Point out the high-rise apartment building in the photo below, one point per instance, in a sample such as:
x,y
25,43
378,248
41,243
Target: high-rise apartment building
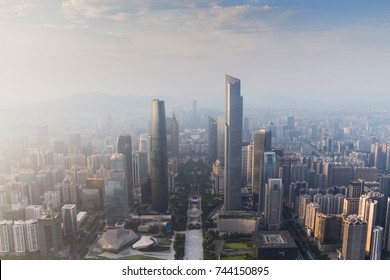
x,y
351,206
159,158
33,212
311,214
354,238
233,143
376,243
273,205
261,144
32,235
6,236
328,228
124,147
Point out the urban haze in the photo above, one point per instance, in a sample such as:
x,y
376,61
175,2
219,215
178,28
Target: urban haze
x,y
223,130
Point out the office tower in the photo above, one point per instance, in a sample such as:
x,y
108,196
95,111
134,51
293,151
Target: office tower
x,y
385,185
261,144
246,133
19,237
249,164
351,206
217,177
69,219
116,197
175,137
328,228
50,240
96,184
376,243
354,238
221,139
355,189
31,227
212,137
33,212
91,199
233,143
159,158
244,165
140,170
311,213
273,204
124,147
144,146
269,165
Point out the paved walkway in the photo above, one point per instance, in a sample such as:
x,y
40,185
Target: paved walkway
x,y
193,249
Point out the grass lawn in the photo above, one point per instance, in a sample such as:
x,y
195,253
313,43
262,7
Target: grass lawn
x,y
237,257
139,257
165,241
238,245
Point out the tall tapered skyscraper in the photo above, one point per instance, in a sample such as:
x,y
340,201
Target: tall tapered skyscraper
x,y
233,143
124,147
261,144
159,158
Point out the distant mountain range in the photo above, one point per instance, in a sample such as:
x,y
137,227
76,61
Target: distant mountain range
x,y
86,103
101,103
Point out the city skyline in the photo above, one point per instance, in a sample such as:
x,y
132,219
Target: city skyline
x,y
322,50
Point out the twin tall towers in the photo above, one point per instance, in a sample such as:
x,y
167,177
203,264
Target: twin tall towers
x,y
233,149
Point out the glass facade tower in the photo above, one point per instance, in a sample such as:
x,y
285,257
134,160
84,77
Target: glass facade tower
x,y
159,158
233,143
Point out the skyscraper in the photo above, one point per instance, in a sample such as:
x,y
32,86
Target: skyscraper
x,y
175,137
273,204
221,139
69,219
354,238
376,243
115,190
50,239
212,137
159,158
261,144
144,146
233,143
124,147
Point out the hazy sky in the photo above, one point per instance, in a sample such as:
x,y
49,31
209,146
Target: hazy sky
x,y
51,49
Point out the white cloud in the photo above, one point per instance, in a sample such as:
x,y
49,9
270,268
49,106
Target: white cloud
x,y
17,8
